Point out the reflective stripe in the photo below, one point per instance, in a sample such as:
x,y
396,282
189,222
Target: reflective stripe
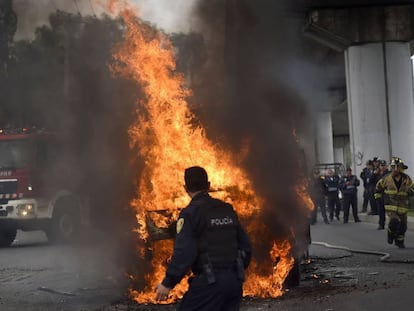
x,y
397,209
395,192
350,187
332,189
9,195
377,195
390,191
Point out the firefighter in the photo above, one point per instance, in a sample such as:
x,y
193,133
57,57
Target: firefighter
x,y
395,188
348,186
332,190
383,170
210,241
316,187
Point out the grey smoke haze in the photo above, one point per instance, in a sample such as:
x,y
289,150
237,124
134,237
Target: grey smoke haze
x,y
262,80
258,82
171,16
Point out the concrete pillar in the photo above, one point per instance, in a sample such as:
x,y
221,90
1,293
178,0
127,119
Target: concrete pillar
x,y
400,101
380,102
367,111
339,155
324,138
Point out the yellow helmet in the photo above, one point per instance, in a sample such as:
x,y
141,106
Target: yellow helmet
x,y
395,161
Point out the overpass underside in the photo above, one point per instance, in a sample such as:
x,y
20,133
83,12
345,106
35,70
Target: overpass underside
x,y
376,43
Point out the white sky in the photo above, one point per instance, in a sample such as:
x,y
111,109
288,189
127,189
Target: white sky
x,y
170,15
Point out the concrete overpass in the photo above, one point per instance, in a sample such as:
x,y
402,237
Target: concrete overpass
x,y
376,115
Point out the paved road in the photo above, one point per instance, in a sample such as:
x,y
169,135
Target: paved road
x,y
362,236
38,276
341,280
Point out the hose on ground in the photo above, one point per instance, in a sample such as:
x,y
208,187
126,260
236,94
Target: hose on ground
x,y
385,257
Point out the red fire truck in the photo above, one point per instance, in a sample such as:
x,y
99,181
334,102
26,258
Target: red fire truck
x,y
37,187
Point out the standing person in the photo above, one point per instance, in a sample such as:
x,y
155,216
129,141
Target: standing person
x,y
376,164
369,186
396,187
379,198
210,241
348,186
331,190
317,193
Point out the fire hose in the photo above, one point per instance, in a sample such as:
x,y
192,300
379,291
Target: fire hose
x,y
385,257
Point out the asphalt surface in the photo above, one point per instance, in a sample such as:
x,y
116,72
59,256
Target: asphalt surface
x,y
348,275
37,276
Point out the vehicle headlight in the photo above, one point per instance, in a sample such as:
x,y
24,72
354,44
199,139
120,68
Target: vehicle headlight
x,y
25,209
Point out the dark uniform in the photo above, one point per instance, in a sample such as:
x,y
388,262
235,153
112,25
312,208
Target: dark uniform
x,y
348,186
317,194
212,242
380,199
368,179
331,190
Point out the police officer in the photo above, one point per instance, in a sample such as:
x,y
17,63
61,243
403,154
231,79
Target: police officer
x,y
348,186
396,187
331,183
210,241
368,179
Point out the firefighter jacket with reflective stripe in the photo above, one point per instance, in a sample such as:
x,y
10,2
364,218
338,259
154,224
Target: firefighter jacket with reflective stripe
x,y
206,228
395,199
349,184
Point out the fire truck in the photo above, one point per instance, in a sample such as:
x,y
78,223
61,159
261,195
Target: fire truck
x,y
36,187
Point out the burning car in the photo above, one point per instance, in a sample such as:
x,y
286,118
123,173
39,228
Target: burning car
x,y
168,138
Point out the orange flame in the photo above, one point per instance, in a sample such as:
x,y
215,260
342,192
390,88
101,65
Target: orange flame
x,y
169,140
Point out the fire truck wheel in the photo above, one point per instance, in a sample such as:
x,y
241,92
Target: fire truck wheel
x,y
7,237
65,223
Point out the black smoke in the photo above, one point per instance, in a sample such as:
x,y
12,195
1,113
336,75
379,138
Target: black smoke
x,y
260,81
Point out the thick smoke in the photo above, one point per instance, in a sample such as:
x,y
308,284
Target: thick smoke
x,y
33,14
60,81
170,16
259,82
253,77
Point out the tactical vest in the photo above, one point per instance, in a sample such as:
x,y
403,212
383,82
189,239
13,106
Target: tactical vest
x,y
217,234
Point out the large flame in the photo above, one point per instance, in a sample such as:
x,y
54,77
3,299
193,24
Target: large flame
x,y
169,139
